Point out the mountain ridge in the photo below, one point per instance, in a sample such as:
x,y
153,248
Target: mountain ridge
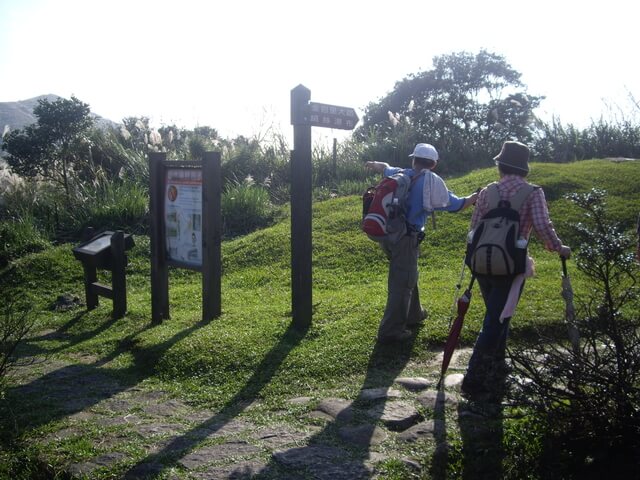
x,y
15,115
19,114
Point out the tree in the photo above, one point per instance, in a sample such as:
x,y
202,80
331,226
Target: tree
x,y
466,106
54,144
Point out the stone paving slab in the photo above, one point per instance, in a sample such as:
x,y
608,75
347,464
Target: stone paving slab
x,y
434,400
243,470
312,455
202,444
228,451
396,415
280,435
363,435
84,469
337,409
423,430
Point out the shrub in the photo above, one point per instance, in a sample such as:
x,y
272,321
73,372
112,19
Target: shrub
x,y
19,237
248,157
589,398
103,203
245,207
16,321
107,204
555,142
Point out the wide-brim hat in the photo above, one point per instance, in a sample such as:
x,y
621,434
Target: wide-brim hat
x,y
425,150
515,155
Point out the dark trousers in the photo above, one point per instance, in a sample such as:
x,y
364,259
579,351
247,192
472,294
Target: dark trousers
x,y
489,349
403,299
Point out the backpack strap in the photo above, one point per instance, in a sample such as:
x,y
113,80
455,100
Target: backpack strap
x,y
413,180
493,195
521,196
416,177
516,201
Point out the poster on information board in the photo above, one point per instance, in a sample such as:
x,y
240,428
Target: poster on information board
x,y
183,215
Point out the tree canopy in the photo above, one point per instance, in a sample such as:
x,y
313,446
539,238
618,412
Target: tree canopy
x,y
466,106
51,147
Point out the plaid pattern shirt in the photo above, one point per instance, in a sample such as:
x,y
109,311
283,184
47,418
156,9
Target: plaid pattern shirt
x,y
533,213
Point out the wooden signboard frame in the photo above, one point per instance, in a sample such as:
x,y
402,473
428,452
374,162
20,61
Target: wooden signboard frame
x,y
210,217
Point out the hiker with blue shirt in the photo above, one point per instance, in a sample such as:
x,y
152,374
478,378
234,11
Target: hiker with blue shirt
x,y
427,193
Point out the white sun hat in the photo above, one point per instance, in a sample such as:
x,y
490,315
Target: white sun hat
x,y
424,150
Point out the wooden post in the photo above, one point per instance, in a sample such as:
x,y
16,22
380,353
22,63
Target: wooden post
x,y
211,236
90,277
301,281
159,268
335,159
118,274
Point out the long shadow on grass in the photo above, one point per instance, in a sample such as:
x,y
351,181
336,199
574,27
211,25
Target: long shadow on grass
x,y
166,457
482,431
73,388
29,349
440,459
342,449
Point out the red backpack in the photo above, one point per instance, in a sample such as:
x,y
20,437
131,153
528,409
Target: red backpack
x,y
383,207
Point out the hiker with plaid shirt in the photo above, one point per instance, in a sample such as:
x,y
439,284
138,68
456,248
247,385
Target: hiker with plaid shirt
x,y
488,358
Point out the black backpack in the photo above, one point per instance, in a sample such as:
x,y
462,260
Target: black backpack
x,y
495,247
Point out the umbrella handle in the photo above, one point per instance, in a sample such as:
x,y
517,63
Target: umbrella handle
x,y
564,266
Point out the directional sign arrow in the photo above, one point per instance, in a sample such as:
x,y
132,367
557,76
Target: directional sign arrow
x,y
331,116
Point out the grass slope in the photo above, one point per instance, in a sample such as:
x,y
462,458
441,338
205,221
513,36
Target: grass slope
x,y
349,293
251,351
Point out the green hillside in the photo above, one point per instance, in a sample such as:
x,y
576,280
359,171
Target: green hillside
x,y
349,291
251,351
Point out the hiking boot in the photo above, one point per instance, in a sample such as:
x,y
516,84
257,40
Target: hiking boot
x,y
404,336
400,337
504,367
472,387
423,316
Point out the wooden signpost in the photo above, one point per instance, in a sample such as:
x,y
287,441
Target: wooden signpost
x,y
186,228
304,115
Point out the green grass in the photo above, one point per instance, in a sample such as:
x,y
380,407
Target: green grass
x,y
251,351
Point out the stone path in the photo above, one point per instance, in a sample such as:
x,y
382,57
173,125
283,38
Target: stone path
x,y
148,434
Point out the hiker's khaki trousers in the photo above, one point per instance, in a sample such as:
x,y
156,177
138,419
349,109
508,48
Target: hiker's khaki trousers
x,y
403,300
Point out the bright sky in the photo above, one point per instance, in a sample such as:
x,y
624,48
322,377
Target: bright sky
x,y
231,65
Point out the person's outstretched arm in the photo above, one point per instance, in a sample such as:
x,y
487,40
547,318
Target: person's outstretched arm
x,y
379,167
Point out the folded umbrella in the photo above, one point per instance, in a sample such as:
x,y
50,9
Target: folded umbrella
x,y
454,332
570,311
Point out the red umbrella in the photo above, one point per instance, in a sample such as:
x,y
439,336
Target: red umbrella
x,y
454,332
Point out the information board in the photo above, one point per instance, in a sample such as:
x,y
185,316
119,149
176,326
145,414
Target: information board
x,y
183,215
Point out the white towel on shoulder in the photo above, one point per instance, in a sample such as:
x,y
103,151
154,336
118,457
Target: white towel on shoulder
x,y
435,193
